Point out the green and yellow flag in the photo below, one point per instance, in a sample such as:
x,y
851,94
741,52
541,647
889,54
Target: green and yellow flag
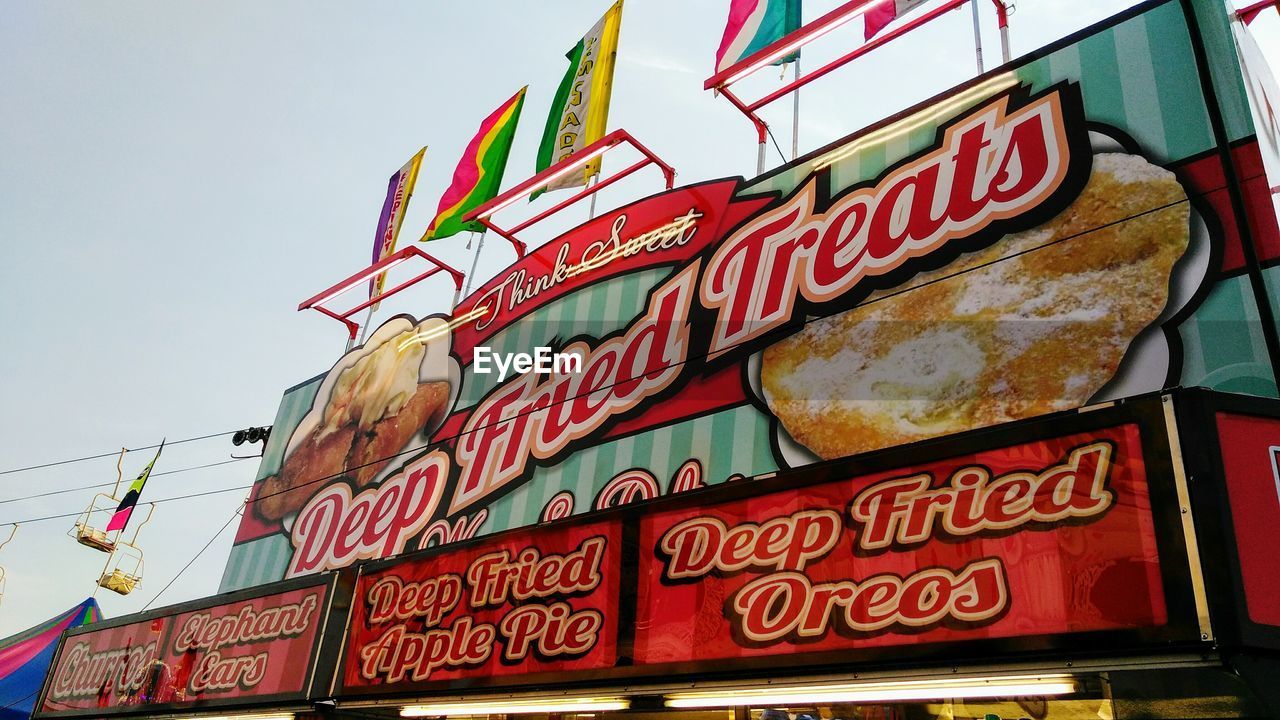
x,y
580,110
479,172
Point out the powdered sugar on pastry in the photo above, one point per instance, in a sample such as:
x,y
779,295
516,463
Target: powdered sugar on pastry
x,y
1037,322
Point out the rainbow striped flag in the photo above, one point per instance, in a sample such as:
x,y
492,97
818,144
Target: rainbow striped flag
x,y
752,26
479,172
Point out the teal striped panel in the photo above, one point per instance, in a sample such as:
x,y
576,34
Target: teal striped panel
x,y
735,441
1222,342
266,559
1224,67
253,563
595,311
293,406
1156,99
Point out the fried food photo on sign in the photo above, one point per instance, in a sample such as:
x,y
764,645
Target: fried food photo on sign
x,y
369,407
1037,322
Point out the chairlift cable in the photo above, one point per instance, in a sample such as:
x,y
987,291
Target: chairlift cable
x,y
102,485
190,562
112,453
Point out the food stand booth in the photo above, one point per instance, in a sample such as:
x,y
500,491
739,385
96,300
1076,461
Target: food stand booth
x,y
968,415
1110,562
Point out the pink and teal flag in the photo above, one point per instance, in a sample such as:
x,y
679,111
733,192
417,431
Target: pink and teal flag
x,y
882,13
754,25
125,510
479,172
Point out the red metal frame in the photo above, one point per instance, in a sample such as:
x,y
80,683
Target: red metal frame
x,y
581,158
317,301
1247,11
810,32
1002,14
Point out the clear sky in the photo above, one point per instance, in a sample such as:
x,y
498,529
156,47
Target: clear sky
x,y
177,176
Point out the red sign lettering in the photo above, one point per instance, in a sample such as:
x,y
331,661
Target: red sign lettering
x,y
529,602
980,546
259,646
993,165
335,529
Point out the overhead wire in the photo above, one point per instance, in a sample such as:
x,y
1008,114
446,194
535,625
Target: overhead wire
x,y
108,484
175,498
235,514
776,146
113,453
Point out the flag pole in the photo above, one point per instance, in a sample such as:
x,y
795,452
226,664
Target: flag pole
x,y
1002,10
474,262
760,159
119,473
977,34
795,115
364,328
105,566
591,209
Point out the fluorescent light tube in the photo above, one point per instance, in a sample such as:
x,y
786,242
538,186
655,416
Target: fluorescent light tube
x,y
871,692
268,716
336,292
577,164
517,706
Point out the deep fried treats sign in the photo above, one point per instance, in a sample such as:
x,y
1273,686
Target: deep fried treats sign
x,y
990,170
256,647
1029,539
530,602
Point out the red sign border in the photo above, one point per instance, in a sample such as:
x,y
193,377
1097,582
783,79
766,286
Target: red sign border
x,y
1147,411
1217,537
321,656
627,534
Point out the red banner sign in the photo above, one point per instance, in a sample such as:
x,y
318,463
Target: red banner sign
x,y
1046,537
1251,469
535,601
256,648
1039,537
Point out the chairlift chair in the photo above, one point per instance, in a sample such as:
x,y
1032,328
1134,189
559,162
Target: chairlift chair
x,y
90,536
12,532
123,571
84,532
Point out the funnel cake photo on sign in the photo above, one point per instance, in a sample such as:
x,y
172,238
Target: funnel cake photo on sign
x,y
1042,320
377,402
